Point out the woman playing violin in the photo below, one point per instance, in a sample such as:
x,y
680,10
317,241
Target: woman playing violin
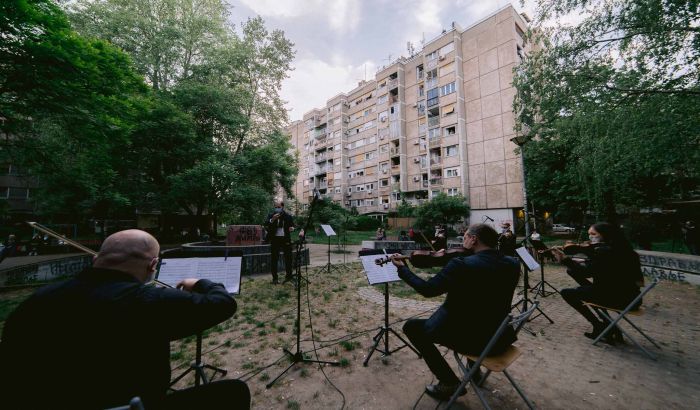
x,y
615,271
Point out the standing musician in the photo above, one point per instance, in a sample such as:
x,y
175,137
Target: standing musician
x,y
103,337
279,226
440,241
479,294
616,272
507,241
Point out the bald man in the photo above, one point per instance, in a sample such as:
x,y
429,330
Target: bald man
x,y
103,337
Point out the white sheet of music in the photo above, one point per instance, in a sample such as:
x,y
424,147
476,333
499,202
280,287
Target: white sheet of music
x,y
220,270
328,230
379,274
525,256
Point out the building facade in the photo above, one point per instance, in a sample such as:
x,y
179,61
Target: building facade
x,y
438,121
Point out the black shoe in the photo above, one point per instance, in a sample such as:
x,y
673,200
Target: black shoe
x,y
597,330
442,391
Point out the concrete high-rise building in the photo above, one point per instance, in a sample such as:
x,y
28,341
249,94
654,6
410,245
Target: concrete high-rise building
x,y
438,121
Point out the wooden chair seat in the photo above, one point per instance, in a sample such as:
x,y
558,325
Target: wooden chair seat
x,y
500,362
638,312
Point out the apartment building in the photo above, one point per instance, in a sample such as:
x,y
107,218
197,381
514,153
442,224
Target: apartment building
x,y
438,121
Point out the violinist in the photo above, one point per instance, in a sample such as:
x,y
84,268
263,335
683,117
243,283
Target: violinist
x,y
479,293
440,241
103,337
615,271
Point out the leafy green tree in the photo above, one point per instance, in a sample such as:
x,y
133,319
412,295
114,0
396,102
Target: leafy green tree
x,y
613,104
442,209
405,209
67,103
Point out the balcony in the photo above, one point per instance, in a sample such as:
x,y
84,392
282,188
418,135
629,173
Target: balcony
x,y
395,151
435,161
436,181
434,142
323,185
433,122
393,83
422,128
424,183
431,64
320,158
396,186
433,101
431,83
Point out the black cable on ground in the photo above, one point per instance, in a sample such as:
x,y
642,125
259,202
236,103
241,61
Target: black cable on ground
x,y
320,366
257,371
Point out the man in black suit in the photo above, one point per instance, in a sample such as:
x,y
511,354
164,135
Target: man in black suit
x,y
279,225
103,337
479,294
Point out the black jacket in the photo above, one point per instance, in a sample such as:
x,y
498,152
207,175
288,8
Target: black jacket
x,y
99,339
285,221
616,276
479,294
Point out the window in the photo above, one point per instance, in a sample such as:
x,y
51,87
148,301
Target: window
x,y
448,109
337,190
336,147
450,130
369,187
383,182
452,191
451,151
383,149
419,72
433,133
370,155
432,97
385,199
431,56
421,90
451,172
349,189
383,99
447,89
369,202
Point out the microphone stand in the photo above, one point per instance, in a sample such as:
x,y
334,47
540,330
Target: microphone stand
x,y
298,356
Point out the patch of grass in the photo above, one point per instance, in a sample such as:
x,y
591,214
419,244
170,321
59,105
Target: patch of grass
x,y
349,345
333,352
327,296
248,365
344,362
264,377
176,356
238,345
247,334
262,332
333,323
293,405
281,328
304,372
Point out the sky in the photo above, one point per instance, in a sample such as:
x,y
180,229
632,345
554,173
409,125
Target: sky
x,y
341,42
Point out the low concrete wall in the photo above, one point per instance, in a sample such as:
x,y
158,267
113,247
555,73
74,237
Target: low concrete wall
x,y
673,267
403,245
44,271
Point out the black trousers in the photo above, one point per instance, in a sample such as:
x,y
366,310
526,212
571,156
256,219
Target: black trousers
x,y
587,293
277,244
232,394
415,331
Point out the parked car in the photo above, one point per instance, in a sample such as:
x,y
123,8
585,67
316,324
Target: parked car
x,y
559,228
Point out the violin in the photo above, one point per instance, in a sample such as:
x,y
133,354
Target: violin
x,y
570,249
428,259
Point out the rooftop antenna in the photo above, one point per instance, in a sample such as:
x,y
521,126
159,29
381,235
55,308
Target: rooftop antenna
x,y
410,48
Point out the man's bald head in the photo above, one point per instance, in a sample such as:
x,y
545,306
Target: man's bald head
x,y
132,251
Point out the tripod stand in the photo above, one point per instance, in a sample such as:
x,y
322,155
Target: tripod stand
x,y
525,299
298,356
540,288
198,367
329,233
384,333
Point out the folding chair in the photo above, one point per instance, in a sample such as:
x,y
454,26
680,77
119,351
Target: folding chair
x,y
496,363
622,314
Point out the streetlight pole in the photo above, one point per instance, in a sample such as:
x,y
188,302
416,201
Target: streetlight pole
x,y
520,141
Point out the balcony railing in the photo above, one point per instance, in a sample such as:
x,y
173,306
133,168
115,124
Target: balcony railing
x,y
395,151
422,128
431,83
433,101
425,183
436,181
431,64
392,83
435,161
396,186
320,158
433,122
434,142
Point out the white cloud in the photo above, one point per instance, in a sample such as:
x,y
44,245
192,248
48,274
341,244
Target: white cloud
x,y
340,15
314,82
343,15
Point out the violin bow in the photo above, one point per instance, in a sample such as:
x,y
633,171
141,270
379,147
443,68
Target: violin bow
x,y
50,232
426,240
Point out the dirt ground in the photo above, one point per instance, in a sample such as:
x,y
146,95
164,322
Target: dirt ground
x,y
341,313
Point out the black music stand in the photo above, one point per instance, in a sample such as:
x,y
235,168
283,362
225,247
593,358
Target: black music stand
x,y
198,367
540,288
328,230
527,263
374,276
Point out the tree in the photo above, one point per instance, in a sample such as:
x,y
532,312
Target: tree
x,y
67,101
613,104
442,209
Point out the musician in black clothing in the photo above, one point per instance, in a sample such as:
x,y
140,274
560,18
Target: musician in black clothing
x,y
507,241
479,294
279,226
615,271
103,337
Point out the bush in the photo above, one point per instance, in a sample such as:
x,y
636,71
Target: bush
x,y
365,223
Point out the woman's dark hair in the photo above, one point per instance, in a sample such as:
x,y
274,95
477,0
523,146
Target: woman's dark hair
x,y
613,236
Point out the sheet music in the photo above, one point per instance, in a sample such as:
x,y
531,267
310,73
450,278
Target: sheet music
x,y
525,256
227,272
328,230
379,274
